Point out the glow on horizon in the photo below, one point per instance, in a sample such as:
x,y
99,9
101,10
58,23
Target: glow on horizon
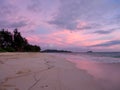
x,y
76,25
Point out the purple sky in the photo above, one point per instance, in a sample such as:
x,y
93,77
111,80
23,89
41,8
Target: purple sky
x,y
77,25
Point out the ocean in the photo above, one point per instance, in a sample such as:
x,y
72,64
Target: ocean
x,y
99,54
104,67
101,57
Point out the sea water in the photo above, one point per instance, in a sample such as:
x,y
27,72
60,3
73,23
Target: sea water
x,y
104,67
101,57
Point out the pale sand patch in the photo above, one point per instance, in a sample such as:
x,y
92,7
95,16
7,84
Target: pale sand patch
x,y
41,71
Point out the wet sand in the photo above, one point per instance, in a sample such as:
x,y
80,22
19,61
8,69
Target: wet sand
x,y
40,71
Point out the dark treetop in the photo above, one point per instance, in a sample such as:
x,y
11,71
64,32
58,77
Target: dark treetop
x,y
14,42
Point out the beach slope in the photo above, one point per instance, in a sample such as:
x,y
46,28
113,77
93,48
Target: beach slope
x,y
41,71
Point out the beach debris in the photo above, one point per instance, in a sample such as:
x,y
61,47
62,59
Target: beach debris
x,y
23,71
44,86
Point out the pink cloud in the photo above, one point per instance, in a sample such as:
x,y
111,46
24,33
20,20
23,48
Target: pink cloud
x,y
81,24
64,38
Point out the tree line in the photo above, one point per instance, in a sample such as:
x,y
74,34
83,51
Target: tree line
x,y
14,42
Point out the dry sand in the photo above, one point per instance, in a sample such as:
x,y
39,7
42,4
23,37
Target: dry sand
x,y
40,71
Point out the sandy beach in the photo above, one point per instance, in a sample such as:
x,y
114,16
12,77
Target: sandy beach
x,y
41,71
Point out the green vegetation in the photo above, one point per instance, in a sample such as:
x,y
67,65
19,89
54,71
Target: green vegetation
x,y
2,50
14,42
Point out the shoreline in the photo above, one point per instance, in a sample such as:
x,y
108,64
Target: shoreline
x,y
43,71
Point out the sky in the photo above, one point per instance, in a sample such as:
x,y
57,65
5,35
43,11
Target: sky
x,y
76,25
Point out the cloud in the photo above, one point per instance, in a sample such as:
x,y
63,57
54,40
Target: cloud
x,y
83,10
107,44
87,26
7,9
11,15
67,15
103,32
108,31
8,24
35,5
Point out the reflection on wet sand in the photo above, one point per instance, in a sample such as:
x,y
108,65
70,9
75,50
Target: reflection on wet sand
x,y
106,74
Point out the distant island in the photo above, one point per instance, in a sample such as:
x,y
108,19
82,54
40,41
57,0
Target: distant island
x,y
89,51
55,51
